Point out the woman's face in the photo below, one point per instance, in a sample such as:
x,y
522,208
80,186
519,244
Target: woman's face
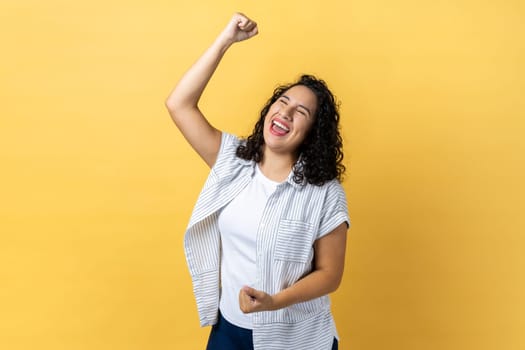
x,y
289,120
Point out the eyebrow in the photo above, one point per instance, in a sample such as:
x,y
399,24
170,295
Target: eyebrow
x,y
307,109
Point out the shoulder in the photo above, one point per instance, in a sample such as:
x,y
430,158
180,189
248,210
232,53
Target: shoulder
x,y
227,159
335,207
229,141
333,187
329,196
228,147
335,193
334,198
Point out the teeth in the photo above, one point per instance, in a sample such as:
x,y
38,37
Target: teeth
x,y
282,126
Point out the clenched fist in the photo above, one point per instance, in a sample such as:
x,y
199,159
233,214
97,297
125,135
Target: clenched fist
x,y
239,28
252,300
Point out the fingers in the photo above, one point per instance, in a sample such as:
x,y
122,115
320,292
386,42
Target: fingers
x,y
246,24
252,300
247,303
249,291
253,32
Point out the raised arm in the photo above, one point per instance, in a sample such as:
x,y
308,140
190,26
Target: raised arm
x,y
183,101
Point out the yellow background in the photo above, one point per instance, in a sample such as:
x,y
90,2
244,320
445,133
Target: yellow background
x,y
97,185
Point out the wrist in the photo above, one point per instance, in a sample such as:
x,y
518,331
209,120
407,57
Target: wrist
x,y
277,301
223,42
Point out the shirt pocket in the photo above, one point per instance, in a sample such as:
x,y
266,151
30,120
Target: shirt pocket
x,y
294,241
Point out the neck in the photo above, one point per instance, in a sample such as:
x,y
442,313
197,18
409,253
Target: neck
x,y
276,167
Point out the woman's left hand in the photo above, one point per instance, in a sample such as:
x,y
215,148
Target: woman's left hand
x,y
253,300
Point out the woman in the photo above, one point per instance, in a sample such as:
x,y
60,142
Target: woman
x,y
266,241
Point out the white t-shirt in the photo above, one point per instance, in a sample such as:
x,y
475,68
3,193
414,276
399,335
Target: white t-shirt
x,y
238,224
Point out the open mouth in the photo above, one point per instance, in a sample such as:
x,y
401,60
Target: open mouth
x,y
278,128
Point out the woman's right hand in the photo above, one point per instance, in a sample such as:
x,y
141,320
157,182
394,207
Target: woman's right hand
x,y
239,28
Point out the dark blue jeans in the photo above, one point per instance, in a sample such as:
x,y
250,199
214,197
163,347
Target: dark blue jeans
x,y
226,336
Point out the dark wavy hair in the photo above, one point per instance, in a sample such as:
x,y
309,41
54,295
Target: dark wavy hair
x,y
321,153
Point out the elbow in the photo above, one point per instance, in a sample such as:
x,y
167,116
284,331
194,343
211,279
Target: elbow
x,y
175,109
170,104
330,277
333,281
176,101
178,107
335,285
172,109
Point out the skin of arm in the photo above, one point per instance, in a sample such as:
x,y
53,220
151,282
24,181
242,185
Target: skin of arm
x,y
324,279
182,103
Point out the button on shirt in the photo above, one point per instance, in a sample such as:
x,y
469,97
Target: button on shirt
x,y
294,217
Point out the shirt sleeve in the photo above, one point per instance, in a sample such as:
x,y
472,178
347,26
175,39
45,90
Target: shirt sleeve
x,y
335,209
226,157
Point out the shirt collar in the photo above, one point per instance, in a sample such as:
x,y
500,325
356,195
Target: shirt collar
x,y
289,180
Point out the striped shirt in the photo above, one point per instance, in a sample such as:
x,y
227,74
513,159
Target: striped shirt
x,y
294,217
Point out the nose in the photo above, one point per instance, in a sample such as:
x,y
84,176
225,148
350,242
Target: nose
x,y
286,112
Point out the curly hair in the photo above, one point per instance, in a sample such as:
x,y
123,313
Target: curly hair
x,y
321,153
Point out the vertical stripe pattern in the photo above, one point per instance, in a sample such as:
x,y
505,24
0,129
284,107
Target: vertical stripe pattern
x,y
294,217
